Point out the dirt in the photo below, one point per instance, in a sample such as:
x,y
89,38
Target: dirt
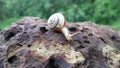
x,y
28,43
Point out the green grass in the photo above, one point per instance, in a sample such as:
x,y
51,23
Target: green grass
x,y
7,22
116,25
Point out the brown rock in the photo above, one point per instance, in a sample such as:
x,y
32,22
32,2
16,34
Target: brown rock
x,y
28,43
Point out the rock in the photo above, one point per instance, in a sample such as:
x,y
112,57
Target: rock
x,y
28,43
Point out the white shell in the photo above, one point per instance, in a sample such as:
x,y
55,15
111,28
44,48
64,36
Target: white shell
x,y
56,20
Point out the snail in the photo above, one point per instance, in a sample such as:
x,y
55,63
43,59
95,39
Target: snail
x,y
58,22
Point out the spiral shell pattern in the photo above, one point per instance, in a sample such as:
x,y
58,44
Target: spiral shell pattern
x,y
56,20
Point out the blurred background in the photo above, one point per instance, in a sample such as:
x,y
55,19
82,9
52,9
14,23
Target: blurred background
x,y
106,12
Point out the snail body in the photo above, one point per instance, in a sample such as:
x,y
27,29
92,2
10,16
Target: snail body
x,y
58,22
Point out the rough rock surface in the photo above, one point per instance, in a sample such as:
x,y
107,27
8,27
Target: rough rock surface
x,y
28,43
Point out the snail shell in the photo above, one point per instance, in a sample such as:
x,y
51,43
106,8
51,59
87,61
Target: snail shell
x,y
58,22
